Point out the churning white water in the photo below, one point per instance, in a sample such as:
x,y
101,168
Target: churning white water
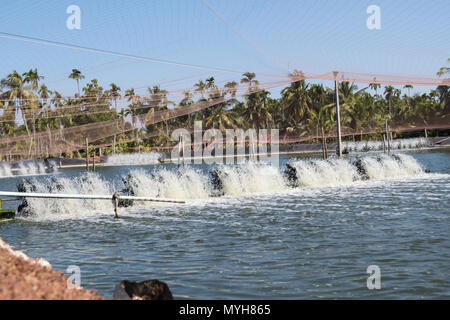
x,y
23,169
184,184
87,184
133,159
398,144
250,177
193,184
325,173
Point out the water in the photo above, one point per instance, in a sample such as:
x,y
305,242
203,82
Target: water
x,y
133,159
262,239
396,144
23,169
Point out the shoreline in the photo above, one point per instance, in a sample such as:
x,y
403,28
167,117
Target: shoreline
x,y
311,148
25,278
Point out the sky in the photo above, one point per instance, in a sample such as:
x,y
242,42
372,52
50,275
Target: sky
x,y
270,38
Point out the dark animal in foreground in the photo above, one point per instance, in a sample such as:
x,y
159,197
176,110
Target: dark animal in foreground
x,y
146,290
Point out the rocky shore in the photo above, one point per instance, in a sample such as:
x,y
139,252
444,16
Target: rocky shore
x,y
25,278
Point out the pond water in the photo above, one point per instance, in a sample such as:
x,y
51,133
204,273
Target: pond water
x,y
263,238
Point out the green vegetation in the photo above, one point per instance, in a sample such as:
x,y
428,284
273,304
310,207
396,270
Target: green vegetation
x,y
303,109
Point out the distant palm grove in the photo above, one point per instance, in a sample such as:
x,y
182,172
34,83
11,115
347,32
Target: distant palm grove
x,y
303,109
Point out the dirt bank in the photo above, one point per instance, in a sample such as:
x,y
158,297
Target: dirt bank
x,y
25,278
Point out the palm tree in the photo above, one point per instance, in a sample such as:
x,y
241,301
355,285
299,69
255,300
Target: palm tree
x,y
375,86
221,118
76,75
129,93
32,77
159,101
409,87
249,78
230,87
257,112
295,100
444,70
21,92
200,87
388,92
114,92
214,92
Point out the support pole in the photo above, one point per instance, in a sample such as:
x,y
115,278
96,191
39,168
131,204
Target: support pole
x,y
93,161
182,151
426,133
116,205
338,117
323,146
388,137
384,143
114,145
87,154
179,150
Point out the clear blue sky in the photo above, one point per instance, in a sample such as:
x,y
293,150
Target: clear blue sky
x,y
262,36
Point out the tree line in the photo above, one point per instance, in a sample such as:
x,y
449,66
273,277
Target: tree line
x,y
28,107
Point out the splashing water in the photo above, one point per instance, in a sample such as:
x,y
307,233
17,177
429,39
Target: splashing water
x,y
384,167
89,183
325,173
24,169
192,184
185,184
398,144
133,159
249,178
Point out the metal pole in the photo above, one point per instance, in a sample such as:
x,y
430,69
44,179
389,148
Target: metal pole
x,y
323,145
93,161
84,196
388,137
338,117
182,150
179,150
116,205
87,154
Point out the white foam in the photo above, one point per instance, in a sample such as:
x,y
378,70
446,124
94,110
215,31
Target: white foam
x,y
325,173
53,208
249,178
133,159
23,169
191,184
398,144
385,167
185,184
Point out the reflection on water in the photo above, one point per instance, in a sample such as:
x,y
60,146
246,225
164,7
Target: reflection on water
x,y
262,239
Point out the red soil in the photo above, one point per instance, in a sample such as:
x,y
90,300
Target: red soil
x,y
24,278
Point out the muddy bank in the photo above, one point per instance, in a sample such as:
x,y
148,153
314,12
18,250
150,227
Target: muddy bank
x,y
25,278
